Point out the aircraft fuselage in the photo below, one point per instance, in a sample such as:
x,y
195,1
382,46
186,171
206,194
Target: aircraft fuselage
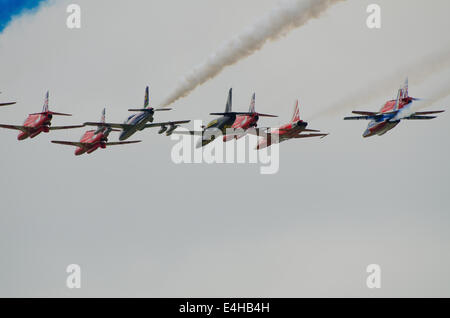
x,y
386,122
137,122
243,122
94,140
35,124
283,133
215,126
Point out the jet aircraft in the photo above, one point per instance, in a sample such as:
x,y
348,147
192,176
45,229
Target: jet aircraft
x,y
38,122
141,120
392,113
291,130
94,139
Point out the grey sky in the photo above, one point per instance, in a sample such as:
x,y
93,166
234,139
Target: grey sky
x,y
140,225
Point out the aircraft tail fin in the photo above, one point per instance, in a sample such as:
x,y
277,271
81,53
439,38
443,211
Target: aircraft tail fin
x,y
251,109
397,101
103,118
405,92
296,114
147,97
228,107
45,107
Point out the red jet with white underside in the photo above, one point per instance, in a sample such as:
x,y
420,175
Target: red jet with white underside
x,y
392,113
94,139
292,130
38,122
245,122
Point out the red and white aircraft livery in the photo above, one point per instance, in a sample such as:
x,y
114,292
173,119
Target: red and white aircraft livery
x,y
94,139
291,130
245,122
38,122
391,114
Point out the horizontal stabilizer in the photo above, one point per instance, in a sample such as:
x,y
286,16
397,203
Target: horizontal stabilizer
x,y
52,113
265,115
232,113
149,109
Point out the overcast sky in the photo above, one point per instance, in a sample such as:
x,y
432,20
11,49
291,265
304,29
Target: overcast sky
x,y
140,225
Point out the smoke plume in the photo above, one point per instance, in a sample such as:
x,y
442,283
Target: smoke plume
x,y
287,16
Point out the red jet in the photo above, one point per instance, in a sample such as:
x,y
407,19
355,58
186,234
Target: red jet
x,y
392,113
38,122
94,139
291,130
245,122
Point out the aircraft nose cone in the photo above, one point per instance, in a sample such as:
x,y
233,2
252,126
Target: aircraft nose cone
x,y
366,133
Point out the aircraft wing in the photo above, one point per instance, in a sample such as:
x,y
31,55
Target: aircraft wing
x,y
417,117
65,127
310,135
167,123
7,104
189,133
71,143
122,143
422,115
360,118
364,113
112,125
429,112
21,128
368,115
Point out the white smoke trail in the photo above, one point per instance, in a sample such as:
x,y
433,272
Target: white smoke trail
x,y
418,72
437,95
287,16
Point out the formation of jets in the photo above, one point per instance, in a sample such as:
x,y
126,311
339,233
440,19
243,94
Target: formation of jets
x,y
231,125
